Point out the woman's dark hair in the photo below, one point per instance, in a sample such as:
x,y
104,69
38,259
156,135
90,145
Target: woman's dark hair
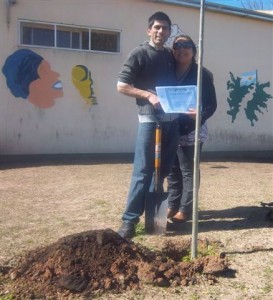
x,y
188,38
159,16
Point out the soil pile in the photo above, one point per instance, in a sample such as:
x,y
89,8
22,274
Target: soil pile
x,y
97,261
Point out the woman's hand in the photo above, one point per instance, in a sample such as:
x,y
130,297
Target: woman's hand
x,y
191,113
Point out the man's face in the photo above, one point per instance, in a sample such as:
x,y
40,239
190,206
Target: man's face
x,y
159,33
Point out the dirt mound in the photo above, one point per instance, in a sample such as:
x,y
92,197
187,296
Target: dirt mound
x,y
99,261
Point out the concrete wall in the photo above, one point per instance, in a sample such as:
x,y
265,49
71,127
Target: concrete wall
x,y
231,44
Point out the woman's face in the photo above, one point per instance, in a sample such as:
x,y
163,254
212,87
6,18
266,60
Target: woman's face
x,y
44,90
182,50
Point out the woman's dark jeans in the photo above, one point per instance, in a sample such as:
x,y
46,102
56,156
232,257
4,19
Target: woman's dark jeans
x,y
180,180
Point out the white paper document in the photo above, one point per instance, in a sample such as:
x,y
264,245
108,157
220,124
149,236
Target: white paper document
x,y
177,99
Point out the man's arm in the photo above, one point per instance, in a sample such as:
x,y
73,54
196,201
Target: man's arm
x,y
131,91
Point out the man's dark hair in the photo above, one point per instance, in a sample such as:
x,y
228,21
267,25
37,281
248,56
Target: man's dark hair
x,y
159,16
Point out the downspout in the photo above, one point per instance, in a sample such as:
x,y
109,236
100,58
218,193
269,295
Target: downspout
x,y
8,5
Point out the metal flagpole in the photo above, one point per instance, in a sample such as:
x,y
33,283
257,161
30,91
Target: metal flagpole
x,y
196,178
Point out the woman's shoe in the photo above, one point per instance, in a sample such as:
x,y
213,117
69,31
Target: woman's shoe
x,y
171,213
179,217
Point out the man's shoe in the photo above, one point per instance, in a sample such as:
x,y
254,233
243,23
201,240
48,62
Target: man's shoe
x,y
127,230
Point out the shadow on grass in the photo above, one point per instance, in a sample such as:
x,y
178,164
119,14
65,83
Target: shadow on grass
x,y
237,218
23,161
36,160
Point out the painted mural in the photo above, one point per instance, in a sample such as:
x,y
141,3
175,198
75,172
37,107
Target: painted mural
x,y
175,31
247,92
82,80
29,76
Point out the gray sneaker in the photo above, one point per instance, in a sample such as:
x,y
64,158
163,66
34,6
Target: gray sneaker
x,y
127,230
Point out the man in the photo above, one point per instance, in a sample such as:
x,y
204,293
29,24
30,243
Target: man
x,y
148,66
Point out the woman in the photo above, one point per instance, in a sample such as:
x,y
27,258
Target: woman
x,y
180,180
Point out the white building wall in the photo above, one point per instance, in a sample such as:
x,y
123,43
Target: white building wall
x,y
232,44
237,45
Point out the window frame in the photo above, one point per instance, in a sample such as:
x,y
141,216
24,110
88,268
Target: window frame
x,y
58,27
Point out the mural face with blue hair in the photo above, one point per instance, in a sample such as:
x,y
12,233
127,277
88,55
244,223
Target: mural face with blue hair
x,y
29,76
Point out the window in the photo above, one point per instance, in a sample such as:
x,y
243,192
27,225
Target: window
x,y
104,40
69,37
39,35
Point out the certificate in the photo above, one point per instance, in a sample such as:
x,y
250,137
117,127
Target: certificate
x,y
177,99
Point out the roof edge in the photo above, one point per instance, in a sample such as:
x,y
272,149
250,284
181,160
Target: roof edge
x,y
224,9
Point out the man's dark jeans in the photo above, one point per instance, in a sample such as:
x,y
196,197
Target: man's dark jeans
x,y
142,182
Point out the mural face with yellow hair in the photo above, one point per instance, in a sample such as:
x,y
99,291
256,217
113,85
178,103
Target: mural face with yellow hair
x,y
81,78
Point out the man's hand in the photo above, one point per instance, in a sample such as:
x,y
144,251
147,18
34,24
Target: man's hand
x,y
131,91
153,99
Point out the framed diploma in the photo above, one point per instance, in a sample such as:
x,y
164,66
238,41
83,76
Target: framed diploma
x,y
177,99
